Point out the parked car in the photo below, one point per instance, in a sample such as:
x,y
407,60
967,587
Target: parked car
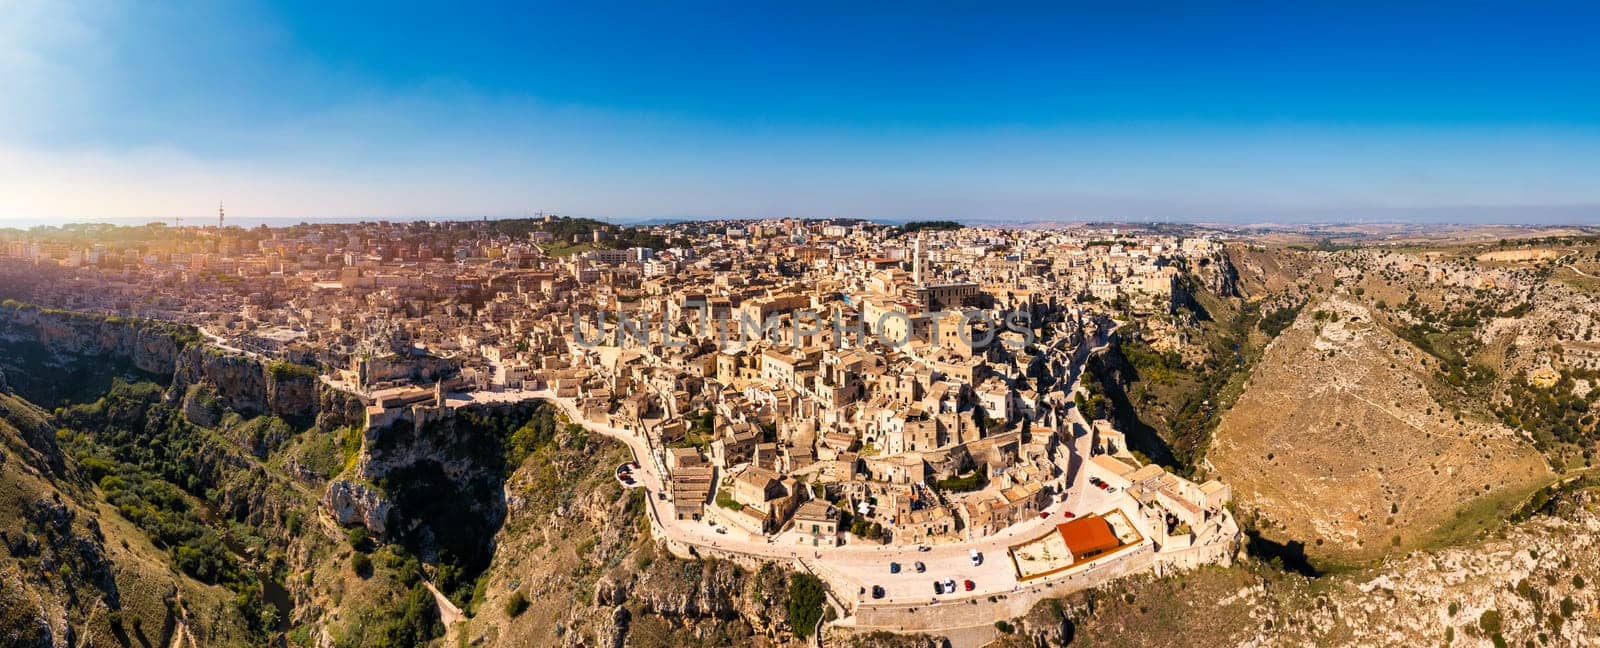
x,y
950,585
938,587
924,548
722,530
1044,515
920,567
977,557
1067,514
877,592
894,568
970,585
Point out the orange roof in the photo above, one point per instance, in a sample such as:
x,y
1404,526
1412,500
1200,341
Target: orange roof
x,y
1088,535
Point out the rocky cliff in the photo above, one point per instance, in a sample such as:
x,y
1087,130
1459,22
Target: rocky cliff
x,y
248,385
46,345
150,346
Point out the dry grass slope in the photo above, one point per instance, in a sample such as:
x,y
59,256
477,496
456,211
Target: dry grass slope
x,y
1337,443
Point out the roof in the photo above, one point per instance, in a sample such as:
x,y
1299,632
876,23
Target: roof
x,y
1088,535
1112,464
757,476
1150,471
816,509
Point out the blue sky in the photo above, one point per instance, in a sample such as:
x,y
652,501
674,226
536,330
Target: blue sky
x,y
979,111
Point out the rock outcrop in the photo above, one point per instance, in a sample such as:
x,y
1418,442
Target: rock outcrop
x,y
151,346
352,502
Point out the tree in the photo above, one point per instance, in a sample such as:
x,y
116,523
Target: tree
x,y
805,603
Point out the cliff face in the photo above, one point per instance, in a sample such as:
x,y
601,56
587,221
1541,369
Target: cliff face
x,y
151,346
337,409
238,381
53,357
247,385
48,344
1218,274
355,503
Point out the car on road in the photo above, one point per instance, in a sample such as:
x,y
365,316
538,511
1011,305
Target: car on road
x,y
976,556
894,568
924,548
722,530
970,585
877,592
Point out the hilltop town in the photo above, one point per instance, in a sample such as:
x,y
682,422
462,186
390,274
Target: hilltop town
x,y
945,428
806,389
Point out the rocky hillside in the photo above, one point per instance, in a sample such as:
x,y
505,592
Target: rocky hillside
x,y
180,495
1337,443
1529,583
73,571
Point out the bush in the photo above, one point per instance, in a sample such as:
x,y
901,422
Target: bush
x,y
975,481
516,605
283,370
1004,627
360,539
361,564
1489,622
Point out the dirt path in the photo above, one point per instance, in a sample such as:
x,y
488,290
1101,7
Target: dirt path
x,y
449,614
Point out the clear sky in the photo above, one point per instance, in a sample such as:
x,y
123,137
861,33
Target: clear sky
x,y
1019,112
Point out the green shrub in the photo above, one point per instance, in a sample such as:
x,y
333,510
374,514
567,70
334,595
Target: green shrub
x,y
516,605
361,564
360,539
1489,622
284,370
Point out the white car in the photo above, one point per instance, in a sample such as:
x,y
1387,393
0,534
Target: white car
x,y
977,557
